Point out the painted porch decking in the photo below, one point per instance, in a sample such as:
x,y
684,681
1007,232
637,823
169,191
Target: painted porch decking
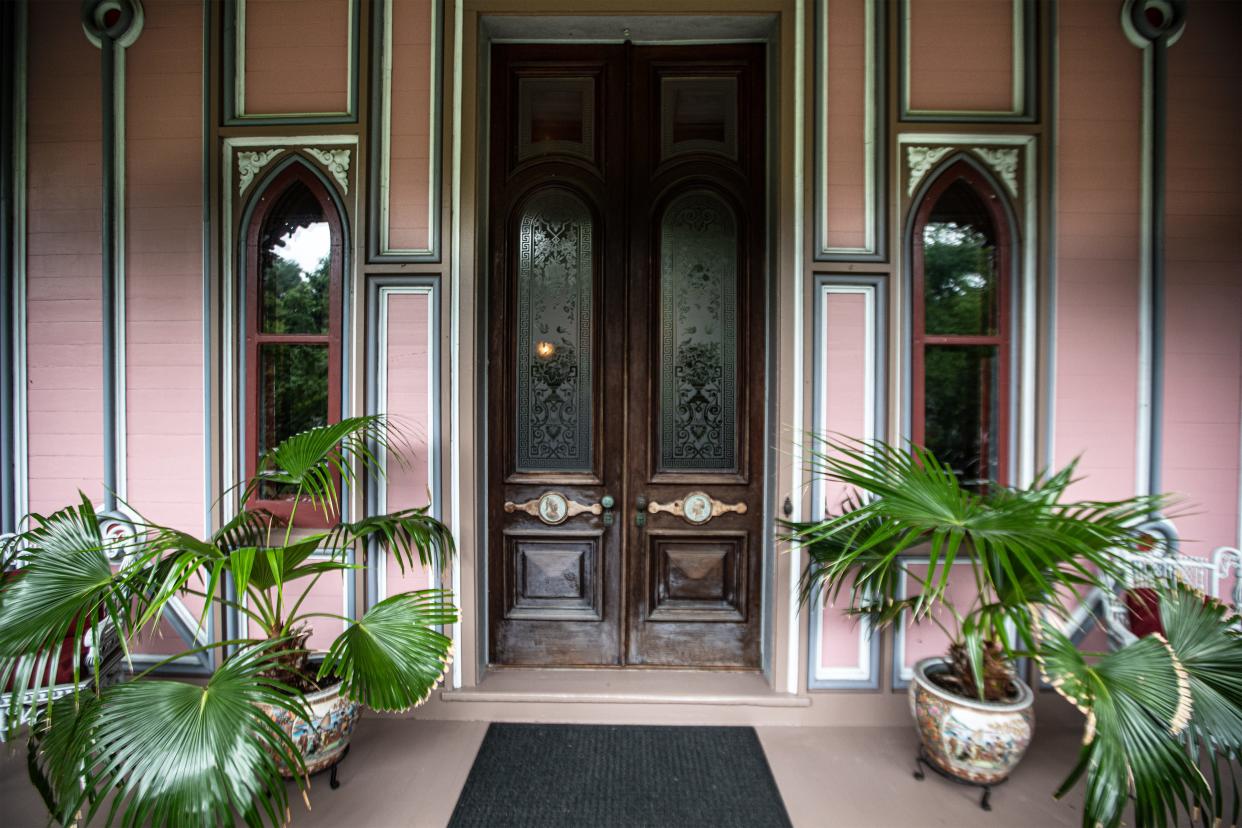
x,y
405,772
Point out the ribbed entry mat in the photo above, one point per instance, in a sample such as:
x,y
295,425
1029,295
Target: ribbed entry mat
x,y
597,776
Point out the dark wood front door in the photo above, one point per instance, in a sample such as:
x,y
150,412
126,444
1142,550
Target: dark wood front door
x,y
625,374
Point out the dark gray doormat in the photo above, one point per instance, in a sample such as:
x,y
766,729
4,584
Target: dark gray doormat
x,y
592,776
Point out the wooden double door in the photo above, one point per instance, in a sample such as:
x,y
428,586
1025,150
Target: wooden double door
x,y
625,401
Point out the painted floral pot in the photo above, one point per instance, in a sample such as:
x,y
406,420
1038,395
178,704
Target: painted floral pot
x,y
973,740
325,737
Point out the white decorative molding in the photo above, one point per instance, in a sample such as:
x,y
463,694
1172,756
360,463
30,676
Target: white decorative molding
x,y
1005,163
920,160
337,162
250,163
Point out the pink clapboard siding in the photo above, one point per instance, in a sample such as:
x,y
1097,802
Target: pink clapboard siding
x,y
63,343
925,638
164,264
163,277
961,55
297,56
409,407
845,100
843,408
1203,293
1097,221
409,172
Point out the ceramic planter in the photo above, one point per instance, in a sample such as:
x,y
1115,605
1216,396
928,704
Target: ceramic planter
x,y
324,739
972,740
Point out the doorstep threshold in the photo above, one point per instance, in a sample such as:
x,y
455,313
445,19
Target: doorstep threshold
x,y
609,686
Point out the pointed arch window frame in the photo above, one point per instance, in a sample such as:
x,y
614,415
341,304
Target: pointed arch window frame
x,y
992,195
262,204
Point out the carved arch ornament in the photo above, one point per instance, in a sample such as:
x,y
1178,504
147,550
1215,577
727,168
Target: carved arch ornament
x,y
252,162
1002,160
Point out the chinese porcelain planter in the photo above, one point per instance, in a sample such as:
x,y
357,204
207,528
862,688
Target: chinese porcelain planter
x,y
972,740
324,739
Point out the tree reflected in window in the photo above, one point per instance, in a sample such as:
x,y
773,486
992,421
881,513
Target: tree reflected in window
x,y
293,339
961,347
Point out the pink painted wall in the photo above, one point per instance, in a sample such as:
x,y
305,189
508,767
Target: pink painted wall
x,y
1098,200
163,275
409,407
961,55
845,207
297,56
843,379
63,242
164,265
1203,293
328,596
409,147
926,638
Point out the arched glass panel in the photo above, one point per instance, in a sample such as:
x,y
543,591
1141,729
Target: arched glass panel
x,y
293,316
555,289
295,263
961,327
698,335
959,268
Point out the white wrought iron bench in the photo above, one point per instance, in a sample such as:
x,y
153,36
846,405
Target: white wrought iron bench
x,y
1219,576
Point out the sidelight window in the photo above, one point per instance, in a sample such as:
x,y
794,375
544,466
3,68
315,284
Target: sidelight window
x,y
961,325
293,318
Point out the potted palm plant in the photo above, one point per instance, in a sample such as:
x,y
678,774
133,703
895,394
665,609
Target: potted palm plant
x,y
170,752
1158,711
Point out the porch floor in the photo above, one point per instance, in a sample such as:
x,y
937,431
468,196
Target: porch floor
x,y
405,772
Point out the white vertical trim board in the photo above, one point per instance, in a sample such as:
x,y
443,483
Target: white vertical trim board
x,y
455,412
1143,425
799,324
21,458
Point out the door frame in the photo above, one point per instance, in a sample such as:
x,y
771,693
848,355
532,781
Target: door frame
x,y
677,28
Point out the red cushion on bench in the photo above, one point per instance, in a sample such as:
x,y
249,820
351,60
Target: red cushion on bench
x,y
1143,610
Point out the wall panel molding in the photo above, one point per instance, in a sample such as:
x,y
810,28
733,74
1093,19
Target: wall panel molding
x,y
13,463
380,248
865,674
380,290
233,92
874,132
1024,104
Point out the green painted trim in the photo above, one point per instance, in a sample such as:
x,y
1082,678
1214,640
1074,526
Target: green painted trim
x,y
21,455
234,68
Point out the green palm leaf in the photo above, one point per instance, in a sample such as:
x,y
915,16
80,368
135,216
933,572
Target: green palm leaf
x,y
313,460
393,657
414,536
1135,700
175,754
1204,635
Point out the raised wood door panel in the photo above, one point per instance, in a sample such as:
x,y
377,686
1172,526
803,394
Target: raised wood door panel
x,y
652,157
556,266
697,327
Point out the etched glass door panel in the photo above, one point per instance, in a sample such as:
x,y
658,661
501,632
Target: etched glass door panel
x,y
698,399
555,278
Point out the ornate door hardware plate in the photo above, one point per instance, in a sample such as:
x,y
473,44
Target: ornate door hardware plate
x,y
553,508
696,508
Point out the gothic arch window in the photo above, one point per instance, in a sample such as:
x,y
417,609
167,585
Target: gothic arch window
x,y
961,266
293,318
